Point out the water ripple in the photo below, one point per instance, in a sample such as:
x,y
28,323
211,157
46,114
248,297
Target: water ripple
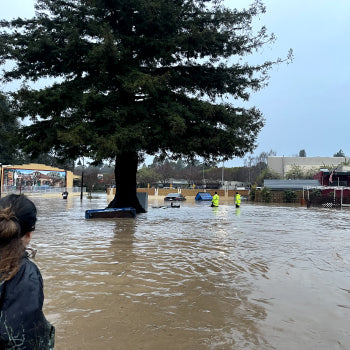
x,y
263,277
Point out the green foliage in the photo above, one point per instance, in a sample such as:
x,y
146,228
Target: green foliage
x,y
255,168
289,196
340,153
266,173
315,197
297,172
252,193
263,194
136,76
266,195
90,178
346,162
310,173
315,194
330,195
147,176
9,152
302,153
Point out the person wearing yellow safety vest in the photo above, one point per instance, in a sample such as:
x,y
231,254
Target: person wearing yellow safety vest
x,y
238,200
215,200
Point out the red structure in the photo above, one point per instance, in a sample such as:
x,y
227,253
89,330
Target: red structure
x,y
333,178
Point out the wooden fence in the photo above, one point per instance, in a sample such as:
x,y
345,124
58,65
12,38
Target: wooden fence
x,y
188,192
275,196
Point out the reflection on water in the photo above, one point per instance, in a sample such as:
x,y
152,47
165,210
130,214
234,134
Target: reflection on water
x,y
258,277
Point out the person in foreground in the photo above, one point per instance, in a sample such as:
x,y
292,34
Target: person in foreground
x,y
23,325
215,200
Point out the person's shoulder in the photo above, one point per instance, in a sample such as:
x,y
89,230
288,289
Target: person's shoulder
x,y
27,278
29,270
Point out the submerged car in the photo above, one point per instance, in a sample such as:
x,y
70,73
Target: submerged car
x,y
174,197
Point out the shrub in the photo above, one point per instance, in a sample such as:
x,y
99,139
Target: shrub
x,y
289,196
252,193
266,195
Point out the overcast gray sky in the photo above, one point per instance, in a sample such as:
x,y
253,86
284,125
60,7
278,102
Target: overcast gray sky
x,y
306,103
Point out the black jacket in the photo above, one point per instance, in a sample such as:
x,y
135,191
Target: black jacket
x,y
23,325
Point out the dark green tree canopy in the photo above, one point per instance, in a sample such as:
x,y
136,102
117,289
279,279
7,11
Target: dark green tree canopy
x,y
340,153
9,125
302,153
136,77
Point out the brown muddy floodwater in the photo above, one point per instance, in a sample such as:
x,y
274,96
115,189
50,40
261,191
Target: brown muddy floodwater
x,y
262,277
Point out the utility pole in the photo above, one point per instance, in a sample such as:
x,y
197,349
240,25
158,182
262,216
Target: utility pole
x,y
222,175
0,178
82,179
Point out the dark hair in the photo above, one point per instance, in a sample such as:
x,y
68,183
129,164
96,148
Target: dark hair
x,y
23,209
9,226
17,217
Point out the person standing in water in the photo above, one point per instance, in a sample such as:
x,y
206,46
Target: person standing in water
x,y
23,325
238,200
215,200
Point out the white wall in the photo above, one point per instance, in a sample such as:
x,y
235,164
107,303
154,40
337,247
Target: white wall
x,y
282,165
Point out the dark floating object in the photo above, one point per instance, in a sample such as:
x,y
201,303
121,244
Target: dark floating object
x,y
128,212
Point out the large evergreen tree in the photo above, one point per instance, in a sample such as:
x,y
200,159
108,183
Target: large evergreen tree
x,y
135,77
9,125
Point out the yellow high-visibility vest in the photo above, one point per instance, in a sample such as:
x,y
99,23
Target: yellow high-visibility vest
x,y
215,200
238,199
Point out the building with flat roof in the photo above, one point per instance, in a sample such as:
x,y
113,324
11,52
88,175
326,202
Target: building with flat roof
x,y
282,165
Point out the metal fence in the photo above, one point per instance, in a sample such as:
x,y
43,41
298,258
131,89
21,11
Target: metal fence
x,y
327,196
39,189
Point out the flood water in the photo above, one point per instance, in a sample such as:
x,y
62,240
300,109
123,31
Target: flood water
x,y
195,277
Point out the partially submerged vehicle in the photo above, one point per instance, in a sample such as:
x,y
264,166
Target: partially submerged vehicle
x,y
174,197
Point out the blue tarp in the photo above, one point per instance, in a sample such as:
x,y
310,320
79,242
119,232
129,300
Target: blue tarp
x,y
203,196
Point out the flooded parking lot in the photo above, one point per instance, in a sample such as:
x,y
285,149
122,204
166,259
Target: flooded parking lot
x,y
195,277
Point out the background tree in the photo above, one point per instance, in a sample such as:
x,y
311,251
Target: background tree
x,y
90,177
302,153
135,77
48,159
310,173
165,171
289,196
214,176
147,176
297,172
10,148
267,173
192,173
236,174
9,125
256,168
340,153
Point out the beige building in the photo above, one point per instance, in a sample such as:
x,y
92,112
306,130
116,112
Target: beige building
x,y
282,165
35,175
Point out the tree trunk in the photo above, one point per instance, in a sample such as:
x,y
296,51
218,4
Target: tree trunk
x,y
125,180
